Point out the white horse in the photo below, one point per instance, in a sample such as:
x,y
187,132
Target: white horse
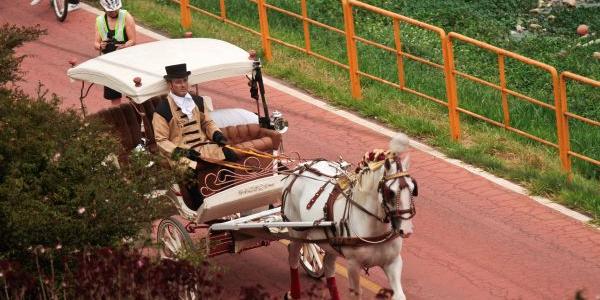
x,y
369,215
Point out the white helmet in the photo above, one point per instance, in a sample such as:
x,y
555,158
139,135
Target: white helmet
x,y
111,5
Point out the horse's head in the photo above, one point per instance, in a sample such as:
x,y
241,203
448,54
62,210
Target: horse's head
x,y
396,188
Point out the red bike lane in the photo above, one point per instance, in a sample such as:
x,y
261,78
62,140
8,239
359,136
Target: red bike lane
x,y
474,239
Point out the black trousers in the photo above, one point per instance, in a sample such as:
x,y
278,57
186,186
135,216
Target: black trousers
x,y
193,190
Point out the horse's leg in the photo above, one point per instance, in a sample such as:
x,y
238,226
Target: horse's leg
x,y
393,271
354,279
294,261
329,271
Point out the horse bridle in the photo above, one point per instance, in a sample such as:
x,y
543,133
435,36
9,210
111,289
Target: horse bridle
x,y
387,193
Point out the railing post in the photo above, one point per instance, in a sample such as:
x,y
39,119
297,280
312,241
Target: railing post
x,y
223,9
451,92
351,49
186,15
305,26
562,123
264,29
502,74
399,58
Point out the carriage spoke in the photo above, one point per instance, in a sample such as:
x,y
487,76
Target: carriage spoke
x,y
168,241
315,257
312,260
171,239
177,239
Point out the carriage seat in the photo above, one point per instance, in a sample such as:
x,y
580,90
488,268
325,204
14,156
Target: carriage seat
x,y
130,127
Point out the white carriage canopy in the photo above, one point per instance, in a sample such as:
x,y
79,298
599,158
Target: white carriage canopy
x,y
207,59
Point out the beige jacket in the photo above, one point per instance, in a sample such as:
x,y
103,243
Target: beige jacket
x,y
185,133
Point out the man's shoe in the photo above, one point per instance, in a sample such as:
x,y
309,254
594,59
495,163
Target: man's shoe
x,y
35,2
72,7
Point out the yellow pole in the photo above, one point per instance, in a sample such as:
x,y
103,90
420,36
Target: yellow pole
x,y
351,49
305,25
399,58
223,10
502,74
451,92
186,15
562,122
264,29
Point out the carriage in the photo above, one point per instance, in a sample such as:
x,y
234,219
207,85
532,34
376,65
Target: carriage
x,y
321,207
241,195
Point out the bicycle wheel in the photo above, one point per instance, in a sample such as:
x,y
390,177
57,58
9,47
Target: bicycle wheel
x,y
60,9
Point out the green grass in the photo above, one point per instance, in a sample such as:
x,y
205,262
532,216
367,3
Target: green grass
x,y
507,155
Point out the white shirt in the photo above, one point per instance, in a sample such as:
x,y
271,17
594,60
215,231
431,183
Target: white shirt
x,y
186,103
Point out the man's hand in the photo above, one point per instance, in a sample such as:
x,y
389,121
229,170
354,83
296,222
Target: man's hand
x,y
102,45
188,153
220,139
121,46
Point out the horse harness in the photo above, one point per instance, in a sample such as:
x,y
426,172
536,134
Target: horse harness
x,y
343,237
386,194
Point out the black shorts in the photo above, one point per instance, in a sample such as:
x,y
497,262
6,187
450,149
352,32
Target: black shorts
x,y
110,94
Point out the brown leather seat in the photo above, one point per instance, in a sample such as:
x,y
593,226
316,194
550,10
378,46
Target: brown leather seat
x,y
125,124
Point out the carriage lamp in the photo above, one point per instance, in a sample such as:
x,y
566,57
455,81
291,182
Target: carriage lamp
x,y
137,81
279,123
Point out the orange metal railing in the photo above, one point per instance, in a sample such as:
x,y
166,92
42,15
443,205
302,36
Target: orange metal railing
x,y
400,56
564,111
502,55
559,85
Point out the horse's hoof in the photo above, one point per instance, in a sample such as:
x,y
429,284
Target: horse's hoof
x,y
385,294
287,296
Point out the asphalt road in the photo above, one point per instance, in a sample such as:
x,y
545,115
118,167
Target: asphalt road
x,y
473,238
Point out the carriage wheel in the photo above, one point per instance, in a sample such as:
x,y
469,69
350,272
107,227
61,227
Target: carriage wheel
x,y
173,239
311,257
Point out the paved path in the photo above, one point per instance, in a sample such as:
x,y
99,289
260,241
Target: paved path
x,y
473,239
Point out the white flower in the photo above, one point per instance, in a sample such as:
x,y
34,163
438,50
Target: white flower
x,y
81,210
58,247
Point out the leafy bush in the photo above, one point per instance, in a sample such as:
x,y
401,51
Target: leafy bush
x,y
110,274
58,185
12,37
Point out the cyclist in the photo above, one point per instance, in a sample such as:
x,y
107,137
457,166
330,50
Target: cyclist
x,y
73,4
114,30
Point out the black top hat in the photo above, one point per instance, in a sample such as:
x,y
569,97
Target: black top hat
x,y
177,71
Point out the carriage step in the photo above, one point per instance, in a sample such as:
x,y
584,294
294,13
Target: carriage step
x,y
220,243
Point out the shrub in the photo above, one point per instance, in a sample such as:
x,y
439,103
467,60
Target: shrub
x,y
111,274
58,185
12,37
